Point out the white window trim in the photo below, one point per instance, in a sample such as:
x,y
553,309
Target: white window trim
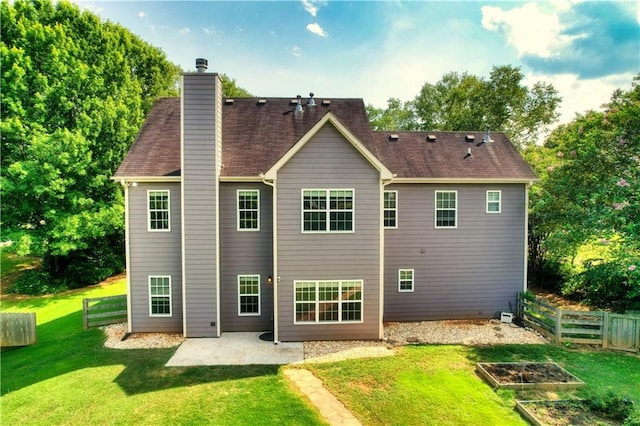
x,y
250,314
151,314
317,302
149,191
394,209
238,210
435,210
413,280
328,211
499,201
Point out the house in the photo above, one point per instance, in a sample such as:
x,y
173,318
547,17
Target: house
x,y
292,215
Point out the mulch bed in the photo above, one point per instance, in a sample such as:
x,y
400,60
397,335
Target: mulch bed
x,y
538,372
561,413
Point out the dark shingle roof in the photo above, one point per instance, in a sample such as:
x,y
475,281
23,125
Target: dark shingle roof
x,y
257,134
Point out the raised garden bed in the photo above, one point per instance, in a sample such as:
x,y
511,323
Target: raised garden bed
x,y
527,376
561,413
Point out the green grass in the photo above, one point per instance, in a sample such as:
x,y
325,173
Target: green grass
x,y
437,385
69,377
11,262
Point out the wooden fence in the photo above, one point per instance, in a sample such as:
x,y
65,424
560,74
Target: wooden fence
x,y
17,329
613,331
104,310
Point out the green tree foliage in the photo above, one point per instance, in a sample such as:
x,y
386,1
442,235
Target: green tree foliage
x,y
590,191
231,90
74,93
468,102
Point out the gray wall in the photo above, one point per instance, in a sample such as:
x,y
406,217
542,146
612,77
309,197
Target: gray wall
x,y
154,253
201,126
328,161
245,253
469,272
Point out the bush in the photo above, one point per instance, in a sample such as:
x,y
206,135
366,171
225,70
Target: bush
x,y
548,275
612,406
35,282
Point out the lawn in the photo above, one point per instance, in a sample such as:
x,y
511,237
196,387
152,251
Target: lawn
x,y
69,377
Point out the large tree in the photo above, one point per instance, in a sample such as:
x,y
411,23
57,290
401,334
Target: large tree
x,y
74,92
462,101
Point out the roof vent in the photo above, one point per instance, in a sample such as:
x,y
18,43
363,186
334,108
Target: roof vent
x,y
469,154
487,137
202,65
261,102
326,102
311,101
229,101
393,137
469,138
431,138
299,105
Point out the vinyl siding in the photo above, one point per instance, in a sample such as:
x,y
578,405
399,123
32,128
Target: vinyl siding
x,y
328,161
473,271
245,253
201,135
154,253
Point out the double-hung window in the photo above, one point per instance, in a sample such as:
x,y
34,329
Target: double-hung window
x,y
160,296
328,301
390,209
248,210
446,209
494,201
248,295
158,211
327,210
405,280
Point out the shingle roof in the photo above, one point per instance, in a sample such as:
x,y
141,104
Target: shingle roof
x,y
257,134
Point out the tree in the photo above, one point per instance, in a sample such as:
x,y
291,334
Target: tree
x,y
74,93
231,90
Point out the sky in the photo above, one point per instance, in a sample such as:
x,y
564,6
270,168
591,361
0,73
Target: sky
x,y
376,50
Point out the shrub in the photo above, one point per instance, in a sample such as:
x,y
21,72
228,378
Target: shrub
x,y
35,282
612,406
549,275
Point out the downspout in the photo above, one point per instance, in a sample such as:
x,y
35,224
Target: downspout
x,y
276,278
381,279
127,251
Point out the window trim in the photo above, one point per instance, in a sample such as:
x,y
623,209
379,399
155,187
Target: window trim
x,y
238,228
168,210
328,211
455,210
413,280
169,296
340,302
394,209
499,201
249,314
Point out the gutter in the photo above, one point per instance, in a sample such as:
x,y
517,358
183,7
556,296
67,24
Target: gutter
x,y
276,277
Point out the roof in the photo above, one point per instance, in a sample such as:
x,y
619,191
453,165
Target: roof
x,y
257,132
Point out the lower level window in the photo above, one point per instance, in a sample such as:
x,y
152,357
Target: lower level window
x,y
248,295
160,296
328,301
405,280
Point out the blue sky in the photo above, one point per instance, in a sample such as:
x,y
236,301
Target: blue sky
x,y
377,50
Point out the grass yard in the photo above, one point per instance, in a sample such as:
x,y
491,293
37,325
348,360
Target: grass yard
x,y
437,385
70,378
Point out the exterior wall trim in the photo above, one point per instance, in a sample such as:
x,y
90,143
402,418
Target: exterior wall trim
x,y
463,180
134,179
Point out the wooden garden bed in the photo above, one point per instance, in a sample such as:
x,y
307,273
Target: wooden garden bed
x,y
528,376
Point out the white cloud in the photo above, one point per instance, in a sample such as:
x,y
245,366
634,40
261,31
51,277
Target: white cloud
x,y
316,29
529,29
185,30
296,51
310,7
142,15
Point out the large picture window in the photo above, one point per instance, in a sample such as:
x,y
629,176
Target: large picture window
x,y
160,296
327,210
248,210
390,209
158,211
446,209
248,295
328,301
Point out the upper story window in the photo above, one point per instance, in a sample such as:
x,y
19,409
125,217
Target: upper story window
x,y
158,210
446,209
327,210
160,296
405,280
494,201
248,210
390,209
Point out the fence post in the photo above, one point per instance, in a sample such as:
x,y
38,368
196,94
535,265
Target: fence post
x,y
85,316
605,330
558,326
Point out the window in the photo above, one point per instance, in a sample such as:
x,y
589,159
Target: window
x,y
248,210
494,201
158,210
446,209
328,301
390,209
327,210
248,295
160,296
405,280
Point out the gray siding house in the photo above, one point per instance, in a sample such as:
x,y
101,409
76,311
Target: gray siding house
x,y
293,216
